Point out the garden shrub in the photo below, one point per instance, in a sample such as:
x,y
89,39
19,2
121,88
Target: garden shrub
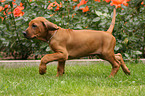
x,y
129,29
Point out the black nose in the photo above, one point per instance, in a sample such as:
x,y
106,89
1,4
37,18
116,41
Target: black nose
x,y
24,33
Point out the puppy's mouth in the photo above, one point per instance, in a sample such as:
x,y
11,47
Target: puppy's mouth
x,y
33,37
28,37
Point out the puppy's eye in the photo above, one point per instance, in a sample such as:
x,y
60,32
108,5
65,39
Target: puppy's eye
x,y
34,26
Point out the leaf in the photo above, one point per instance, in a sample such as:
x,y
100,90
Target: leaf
x,y
125,41
98,13
26,19
82,6
102,14
96,19
1,25
106,15
48,49
78,27
127,56
46,16
43,45
137,52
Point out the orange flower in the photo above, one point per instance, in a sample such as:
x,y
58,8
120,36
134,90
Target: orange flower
x,y
57,8
125,23
14,3
20,7
2,18
107,1
117,3
97,0
74,7
1,8
142,3
21,4
9,12
6,12
82,3
122,9
50,6
125,2
6,6
18,11
54,4
73,15
85,9
51,15
2,0
60,4
75,0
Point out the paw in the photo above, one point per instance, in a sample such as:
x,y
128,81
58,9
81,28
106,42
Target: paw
x,y
127,72
42,69
59,74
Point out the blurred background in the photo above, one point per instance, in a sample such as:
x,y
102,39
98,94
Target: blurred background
x,y
15,15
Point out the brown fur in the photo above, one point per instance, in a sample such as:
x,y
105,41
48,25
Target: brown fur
x,y
70,44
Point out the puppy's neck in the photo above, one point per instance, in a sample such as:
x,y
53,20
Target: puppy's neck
x,y
50,35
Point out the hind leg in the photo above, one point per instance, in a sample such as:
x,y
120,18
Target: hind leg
x,y
118,56
115,66
113,61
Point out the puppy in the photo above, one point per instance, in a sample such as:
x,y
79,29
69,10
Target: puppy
x,y
70,44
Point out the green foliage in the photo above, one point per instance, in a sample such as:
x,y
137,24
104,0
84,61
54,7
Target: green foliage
x,y
129,28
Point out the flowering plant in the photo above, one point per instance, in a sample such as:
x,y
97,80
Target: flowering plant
x,y
71,14
17,12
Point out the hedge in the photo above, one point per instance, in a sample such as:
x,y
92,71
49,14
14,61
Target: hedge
x,y
129,29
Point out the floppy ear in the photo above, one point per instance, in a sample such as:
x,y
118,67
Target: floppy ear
x,y
49,25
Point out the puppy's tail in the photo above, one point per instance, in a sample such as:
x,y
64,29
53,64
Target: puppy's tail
x,y
112,23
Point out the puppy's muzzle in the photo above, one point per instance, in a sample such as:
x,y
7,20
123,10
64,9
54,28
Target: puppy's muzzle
x,y
27,36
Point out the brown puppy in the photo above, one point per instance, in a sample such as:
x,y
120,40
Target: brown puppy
x,y
70,44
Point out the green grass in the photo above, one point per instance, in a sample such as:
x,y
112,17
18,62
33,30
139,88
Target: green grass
x,y
79,80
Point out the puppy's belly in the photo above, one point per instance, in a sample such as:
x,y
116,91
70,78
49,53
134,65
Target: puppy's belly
x,y
82,52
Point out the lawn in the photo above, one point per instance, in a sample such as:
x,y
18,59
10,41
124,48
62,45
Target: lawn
x,y
86,79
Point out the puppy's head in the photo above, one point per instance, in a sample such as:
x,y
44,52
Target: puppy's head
x,y
39,28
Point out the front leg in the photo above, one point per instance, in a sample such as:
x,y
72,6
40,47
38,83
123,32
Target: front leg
x,y
60,68
49,58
